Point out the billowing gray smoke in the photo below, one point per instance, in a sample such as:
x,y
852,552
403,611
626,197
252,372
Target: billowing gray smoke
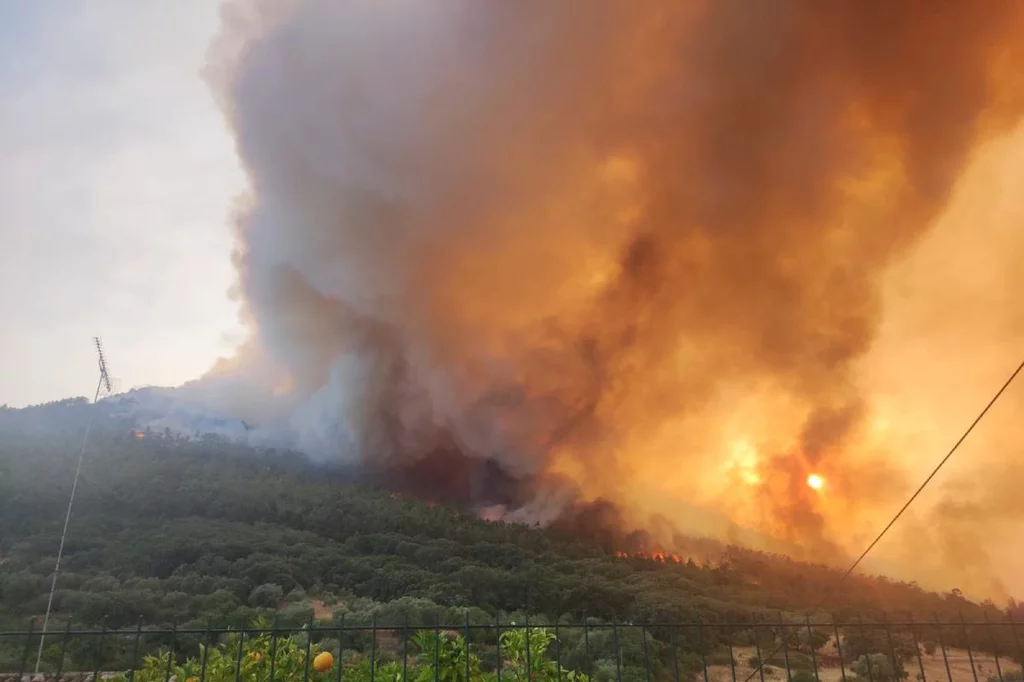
x,y
573,238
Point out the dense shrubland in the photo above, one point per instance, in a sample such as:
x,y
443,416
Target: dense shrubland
x,y
200,533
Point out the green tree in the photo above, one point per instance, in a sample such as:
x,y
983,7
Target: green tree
x,y
266,595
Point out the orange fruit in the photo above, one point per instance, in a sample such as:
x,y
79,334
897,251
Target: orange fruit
x,y
323,661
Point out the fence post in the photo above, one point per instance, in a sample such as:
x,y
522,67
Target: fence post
x,y
497,637
867,654
341,647
437,644
529,666
135,651
28,646
917,648
700,642
839,648
465,637
558,654
675,651
967,642
63,649
99,649
586,647
238,656
810,645
732,662
618,651
757,648
1016,641
273,648
309,648
373,647
241,653
897,663
170,654
995,646
206,654
647,656
942,645
785,647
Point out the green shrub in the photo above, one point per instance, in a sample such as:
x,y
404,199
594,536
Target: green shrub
x,y
439,656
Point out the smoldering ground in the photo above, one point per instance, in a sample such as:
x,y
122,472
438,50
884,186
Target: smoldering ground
x,y
600,241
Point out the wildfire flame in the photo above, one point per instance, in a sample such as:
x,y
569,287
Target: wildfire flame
x,y
658,557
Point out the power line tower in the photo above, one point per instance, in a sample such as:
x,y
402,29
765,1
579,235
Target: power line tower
x,y
104,385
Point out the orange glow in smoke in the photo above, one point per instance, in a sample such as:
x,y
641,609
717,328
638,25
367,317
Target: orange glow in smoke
x,y
748,298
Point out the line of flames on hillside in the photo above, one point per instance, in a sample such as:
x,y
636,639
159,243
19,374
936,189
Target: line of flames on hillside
x,y
493,514
660,557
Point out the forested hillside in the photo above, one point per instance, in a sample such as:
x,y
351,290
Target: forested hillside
x,y
171,531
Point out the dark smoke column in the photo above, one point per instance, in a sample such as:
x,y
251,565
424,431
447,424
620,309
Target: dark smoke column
x,y
544,234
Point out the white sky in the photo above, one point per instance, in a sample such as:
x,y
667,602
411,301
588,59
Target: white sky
x,y
117,176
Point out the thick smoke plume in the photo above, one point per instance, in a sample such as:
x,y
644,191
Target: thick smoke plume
x,y
499,250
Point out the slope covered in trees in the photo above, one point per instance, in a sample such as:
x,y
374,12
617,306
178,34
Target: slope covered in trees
x,y
173,531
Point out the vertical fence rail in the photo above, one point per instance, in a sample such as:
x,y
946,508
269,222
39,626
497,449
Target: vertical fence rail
x,y
405,652
839,650
967,644
206,654
895,661
273,649
616,649
675,653
586,644
437,646
63,649
1016,644
784,634
238,656
373,651
309,649
867,656
170,655
529,662
757,648
647,654
732,661
135,652
558,655
995,648
28,646
810,645
917,649
497,637
703,650
102,643
942,645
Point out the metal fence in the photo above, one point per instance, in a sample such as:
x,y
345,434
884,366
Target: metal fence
x,y
753,651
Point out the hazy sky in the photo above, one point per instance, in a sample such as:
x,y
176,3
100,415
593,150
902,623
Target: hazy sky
x,y
116,184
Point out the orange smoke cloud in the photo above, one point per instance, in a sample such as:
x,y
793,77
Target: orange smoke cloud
x,y
653,249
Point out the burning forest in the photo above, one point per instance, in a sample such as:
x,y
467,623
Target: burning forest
x,y
724,268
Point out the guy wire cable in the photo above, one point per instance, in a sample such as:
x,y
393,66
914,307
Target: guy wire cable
x,y
853,566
